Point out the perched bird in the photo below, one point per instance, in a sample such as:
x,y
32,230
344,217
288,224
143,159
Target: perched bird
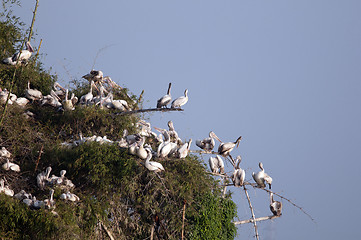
x,y
151,165
216,164
224,149
165,100
43,178
183,151
20,57
33,94
86,99
5,153
239,174
261,177
67,103
275,206
21,101
11,166
173,134
140,150
50,203
94,75
5,189
177,103
69,196
208,143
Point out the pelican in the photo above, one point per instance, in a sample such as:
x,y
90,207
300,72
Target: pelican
x,y
275,206
11,166
94,75
21,101
225,148
43,178
37,204
208,143
261,177
173,134
28,201
177,103
5,189
239,174
121,105
20,57
67,104
5,153
165,100
50,203
33,94
216,164
69,196
59,90
54,180
140,150
165,147
151,165
85,99
22,195
183,151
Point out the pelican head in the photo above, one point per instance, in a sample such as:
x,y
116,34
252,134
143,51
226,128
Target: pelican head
x,y
29,47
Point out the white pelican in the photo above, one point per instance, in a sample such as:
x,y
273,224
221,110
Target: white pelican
x,y
165,100
69,196
151,165
118,104
37,204
20,57
5,153
33,94
43,178
11,166
21,101
239,174
94,75
261,177
216,164
165,147
177,103
59,90
183,151
28,201
208,143
22,195
50,203
275,206
173,134
86,99
225,148
5,189
68,104
140,150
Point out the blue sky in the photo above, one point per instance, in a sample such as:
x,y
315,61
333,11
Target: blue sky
x,y
283,74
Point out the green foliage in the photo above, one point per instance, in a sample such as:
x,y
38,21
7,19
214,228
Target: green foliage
x,y
114,187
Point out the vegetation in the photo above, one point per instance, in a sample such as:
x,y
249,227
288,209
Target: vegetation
x,y
119,196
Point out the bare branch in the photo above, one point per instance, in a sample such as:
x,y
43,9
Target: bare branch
x,y
252,212
256,219
149,110
288,200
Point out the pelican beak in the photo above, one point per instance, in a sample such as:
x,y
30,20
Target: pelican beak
x,y
215,136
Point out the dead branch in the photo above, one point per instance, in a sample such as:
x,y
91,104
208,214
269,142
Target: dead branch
x,y
288,200
184,215
256,219
252,212
149,110
37,162
106,230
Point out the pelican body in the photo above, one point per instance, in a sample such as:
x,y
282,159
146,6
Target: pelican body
x,y
165,100
275,206
208,143
177,103
261,178
216,164
20,57
225,148
151,165
239,174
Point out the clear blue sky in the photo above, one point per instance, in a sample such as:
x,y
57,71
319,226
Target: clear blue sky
x,y
283,74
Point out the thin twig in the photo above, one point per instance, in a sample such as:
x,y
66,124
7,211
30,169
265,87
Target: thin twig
x,y
288,200
37,52
37,162
257,219
184,214
106,229
149,110
252,212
